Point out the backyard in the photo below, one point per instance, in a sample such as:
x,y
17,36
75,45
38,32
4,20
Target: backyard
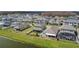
x,y
35,41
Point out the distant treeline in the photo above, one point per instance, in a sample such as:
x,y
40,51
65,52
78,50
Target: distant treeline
x,y
11,12
77,12
32,12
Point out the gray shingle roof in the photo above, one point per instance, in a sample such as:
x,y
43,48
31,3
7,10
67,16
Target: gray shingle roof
x,y
71,20
51,31
67,27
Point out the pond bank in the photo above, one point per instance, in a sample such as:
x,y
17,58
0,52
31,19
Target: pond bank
x,y
7,43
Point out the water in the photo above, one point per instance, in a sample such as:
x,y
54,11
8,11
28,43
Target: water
x,y
7,43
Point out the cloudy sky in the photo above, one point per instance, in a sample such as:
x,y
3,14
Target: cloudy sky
x,y
39,5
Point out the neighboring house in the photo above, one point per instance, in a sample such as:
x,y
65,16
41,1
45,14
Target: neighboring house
x,y
6,21
40,21
71,22
14,19
72,17
20,25
13,24
27,18
39,28
55,21
24,19
50,32
35,16
63,32
39,25
67,32
46,19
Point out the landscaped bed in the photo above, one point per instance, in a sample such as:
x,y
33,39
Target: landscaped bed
x,y
36,41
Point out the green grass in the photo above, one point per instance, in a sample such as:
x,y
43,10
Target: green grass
x,y
37,41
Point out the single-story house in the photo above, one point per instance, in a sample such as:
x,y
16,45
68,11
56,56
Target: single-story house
x,y
35,16
67,32
20,25
6,21
39,27
71,22
55,21
23,19
39,24
63,32
13,24
40,21
50,32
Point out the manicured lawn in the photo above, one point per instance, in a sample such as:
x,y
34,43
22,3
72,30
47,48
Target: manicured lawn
x,y
36,41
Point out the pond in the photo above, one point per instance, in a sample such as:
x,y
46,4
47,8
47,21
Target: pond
x,y
7,43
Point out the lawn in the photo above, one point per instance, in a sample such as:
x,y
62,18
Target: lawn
x,y
36,41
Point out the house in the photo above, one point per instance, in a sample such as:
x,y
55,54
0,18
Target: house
x,y
6,21
13,24
23,19
63,32
50,32
35,16
39,25
20,26
14,19
40,21
67,32
55,20
39,28
71,22
27,18
72,17
47,19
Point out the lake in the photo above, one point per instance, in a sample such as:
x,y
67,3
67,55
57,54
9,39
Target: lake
x,y
7,43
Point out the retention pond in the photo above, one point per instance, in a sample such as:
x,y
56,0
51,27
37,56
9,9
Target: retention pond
x,y
7,43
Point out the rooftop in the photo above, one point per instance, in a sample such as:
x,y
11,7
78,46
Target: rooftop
x,y
67,27
71,20
51,30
